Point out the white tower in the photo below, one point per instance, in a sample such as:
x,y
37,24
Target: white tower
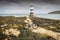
x,y
32,10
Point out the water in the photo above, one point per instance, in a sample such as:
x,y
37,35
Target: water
x,y
50,16
16,15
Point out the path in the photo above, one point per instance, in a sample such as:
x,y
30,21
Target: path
x,y
40,30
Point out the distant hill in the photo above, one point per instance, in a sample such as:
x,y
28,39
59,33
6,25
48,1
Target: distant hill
x,y
55,12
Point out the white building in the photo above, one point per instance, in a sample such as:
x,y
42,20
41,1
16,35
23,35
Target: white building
x,y
32,10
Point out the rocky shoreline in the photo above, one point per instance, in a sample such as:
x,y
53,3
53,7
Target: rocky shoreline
x,y
18,23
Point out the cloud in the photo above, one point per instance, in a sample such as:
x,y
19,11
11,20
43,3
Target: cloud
x,y
24,7
47,1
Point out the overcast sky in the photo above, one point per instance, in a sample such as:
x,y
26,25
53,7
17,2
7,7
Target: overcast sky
x,y
23,6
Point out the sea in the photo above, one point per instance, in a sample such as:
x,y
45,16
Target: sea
x,y
48,16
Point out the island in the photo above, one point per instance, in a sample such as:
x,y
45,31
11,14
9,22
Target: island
x,y
54,12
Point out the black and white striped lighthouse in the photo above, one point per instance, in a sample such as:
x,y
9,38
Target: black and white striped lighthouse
x,y
31,10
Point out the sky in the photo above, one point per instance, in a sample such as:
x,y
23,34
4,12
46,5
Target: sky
x,y
23,6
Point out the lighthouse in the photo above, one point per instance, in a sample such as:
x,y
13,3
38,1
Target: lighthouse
x,y
31,10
